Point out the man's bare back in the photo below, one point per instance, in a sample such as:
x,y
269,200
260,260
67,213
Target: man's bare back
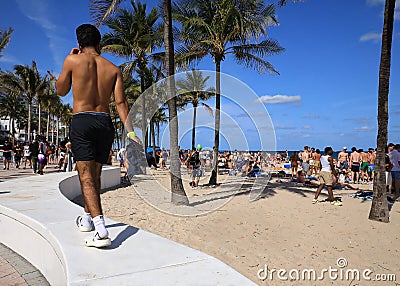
x,y
93,80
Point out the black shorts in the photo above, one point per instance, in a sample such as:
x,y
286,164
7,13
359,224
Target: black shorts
x,y
92,135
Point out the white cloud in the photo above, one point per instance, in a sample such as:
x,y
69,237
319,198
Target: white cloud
x,y
39,11
312,116
8,59
276,99
308,127
284,127
375,2
374,37
364,128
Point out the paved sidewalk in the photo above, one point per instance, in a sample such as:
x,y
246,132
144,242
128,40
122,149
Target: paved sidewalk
x,y
14,269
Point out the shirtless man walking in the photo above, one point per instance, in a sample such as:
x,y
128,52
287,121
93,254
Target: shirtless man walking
x,y
93,80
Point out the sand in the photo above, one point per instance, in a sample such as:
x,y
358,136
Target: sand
x,y
280,230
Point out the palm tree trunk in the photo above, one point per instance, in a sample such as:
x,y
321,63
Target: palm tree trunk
x,y
52,128
214,173
58,132
178,193
29,120
153,137
158,132
379,208
48,126
144,121
40,119
194,126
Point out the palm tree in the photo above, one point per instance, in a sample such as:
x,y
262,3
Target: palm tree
x,y
13,108
25,81
224,27
379,208
194,90
65,116
5,38
178,192
284,2
40,95
50,100
134,35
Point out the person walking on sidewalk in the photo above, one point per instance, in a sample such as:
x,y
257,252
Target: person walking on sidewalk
x,y
92,133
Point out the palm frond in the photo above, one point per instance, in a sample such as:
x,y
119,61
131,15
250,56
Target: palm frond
x,y
5,37
101,9
254,62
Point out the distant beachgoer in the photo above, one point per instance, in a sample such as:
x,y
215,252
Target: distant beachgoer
x,y
388,168
311,161
394,157
42,157
301,178
305,159
371,161
34,149
17,154
343,159
317,161
7,150
121,156
294,163
364,165
27,155
355,159
195,163
94,80
325,176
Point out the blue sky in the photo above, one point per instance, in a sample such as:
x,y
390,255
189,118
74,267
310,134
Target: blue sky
x,y
326,93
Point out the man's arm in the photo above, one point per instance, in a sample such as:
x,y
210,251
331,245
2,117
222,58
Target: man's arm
x,y
63,84
332,166
122,104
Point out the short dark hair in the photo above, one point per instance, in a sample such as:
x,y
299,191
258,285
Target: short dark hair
x,y
390,145
88,35
327,149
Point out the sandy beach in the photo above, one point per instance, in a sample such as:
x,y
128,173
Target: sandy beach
x,y
279,230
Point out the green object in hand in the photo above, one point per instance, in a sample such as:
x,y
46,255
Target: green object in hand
x,y
131,134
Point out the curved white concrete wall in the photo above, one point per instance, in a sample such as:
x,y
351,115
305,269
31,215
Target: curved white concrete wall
x,y
29,207
37,220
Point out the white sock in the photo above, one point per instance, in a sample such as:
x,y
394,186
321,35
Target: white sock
x,y
86,220
100,226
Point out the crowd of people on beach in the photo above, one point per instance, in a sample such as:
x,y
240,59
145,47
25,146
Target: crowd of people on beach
x,y
352,168
356,166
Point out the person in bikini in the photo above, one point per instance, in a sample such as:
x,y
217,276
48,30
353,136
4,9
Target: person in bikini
x,y
93,80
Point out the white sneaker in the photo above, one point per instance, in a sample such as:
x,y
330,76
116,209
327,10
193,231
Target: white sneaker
x,y
96,241
81,227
